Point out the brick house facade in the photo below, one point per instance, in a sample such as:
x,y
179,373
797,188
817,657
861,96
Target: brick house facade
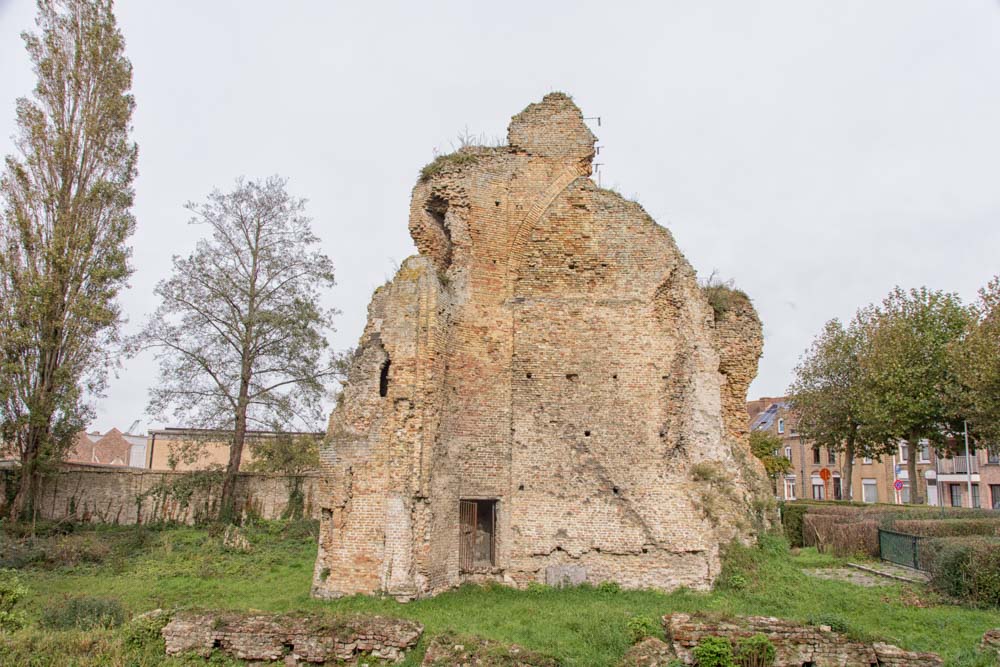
x,y
943,480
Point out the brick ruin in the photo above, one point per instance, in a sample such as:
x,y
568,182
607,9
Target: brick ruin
x,y
542,394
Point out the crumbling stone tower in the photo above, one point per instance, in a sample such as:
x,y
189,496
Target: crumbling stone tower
x,y
542,394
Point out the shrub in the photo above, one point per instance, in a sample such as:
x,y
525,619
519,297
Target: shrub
x,y
145,630
12,591
736,582
640,627
791,522
947,527
964,567
713,652
84,613
610,587
755,651
854,538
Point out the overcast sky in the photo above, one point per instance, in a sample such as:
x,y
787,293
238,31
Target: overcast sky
x,y
818,152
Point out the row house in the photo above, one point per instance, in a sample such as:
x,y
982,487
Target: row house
x,y
817,472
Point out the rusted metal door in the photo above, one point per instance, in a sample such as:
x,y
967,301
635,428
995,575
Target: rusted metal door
x,y
467,534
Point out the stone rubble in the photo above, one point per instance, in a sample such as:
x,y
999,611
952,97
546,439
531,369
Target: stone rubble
x,y
291,638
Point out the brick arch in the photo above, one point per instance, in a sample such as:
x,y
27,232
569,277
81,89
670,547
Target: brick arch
x,y
519,243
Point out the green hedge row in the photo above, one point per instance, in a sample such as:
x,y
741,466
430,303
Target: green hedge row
x,y
964,567
947,527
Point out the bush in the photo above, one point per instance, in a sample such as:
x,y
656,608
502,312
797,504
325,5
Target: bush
x,y
791,522
84,613
640,627
713,652
609,587
854,539
145,630
755,651
964,567
12,591
947,527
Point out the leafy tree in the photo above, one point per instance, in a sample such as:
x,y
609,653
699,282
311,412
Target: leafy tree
x,y
976,363
764,445
828,392
285,453
239,332
908,370
67,197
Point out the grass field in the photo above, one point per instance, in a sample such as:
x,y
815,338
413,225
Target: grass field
x,y
189,567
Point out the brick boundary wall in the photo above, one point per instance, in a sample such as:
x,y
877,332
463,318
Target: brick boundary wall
x,y
106,494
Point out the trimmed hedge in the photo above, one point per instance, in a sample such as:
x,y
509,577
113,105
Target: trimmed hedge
x,y
947,527
791,521
888,516
964,567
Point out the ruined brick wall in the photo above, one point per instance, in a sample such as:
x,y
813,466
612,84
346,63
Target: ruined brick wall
x,y
549,349
795,644
99,494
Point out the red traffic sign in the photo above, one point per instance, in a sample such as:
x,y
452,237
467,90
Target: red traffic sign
x,y
898,485
824,474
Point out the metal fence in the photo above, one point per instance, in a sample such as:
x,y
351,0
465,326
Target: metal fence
x,y
900,548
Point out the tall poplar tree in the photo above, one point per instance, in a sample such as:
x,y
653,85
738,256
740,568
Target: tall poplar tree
x,y
239,332
67,198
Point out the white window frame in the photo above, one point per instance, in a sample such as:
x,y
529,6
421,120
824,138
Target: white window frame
x,y
867,460
781,425
865,483
924,452
788,453
790,488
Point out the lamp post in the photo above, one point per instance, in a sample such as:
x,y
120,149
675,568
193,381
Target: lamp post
x,y
968,462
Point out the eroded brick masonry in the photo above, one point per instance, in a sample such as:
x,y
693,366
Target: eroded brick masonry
x,y
543,393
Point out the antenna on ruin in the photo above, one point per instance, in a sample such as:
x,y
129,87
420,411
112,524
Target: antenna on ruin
x,y
597,118
597,170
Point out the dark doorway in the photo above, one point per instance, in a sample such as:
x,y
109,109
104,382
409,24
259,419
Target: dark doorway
x,y
838,491
477,534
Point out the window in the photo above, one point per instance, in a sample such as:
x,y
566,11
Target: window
x,y
904,452
838,492
819,489
993,458
995,495
781,426
869,490
904,494
788,453
790,488
831,456
925,452
956,494
975,495
816,455
867,460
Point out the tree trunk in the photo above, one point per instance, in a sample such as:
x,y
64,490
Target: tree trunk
x,y
24,500
913,443
848,468
227,510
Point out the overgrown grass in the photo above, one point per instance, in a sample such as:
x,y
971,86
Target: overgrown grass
x,y
189,568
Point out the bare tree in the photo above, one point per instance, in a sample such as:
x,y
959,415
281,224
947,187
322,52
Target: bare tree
x,y
67,197
239,332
